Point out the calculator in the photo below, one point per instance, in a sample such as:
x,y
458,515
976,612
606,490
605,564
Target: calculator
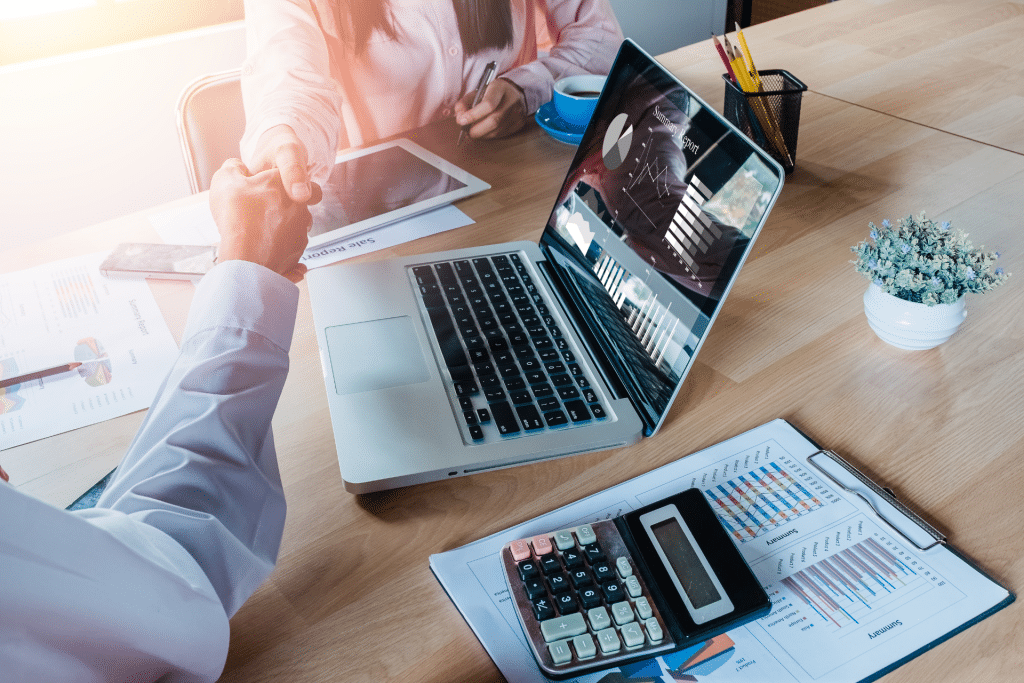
x,y
640,585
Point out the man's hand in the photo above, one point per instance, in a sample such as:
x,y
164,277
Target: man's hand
x,y
257,221
279,147
501,112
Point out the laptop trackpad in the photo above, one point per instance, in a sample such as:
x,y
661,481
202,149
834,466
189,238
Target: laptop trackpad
x,y
376,354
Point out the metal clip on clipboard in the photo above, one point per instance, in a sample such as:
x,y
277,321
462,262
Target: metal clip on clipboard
x,y
915,531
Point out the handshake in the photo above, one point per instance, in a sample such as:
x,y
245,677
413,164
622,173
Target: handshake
x,y
257,219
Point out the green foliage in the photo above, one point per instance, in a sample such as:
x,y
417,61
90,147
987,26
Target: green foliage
x,y
922,261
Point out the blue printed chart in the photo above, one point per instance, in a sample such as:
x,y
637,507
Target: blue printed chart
x,y
760,501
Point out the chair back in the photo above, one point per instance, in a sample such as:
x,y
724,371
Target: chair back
x,y
210,120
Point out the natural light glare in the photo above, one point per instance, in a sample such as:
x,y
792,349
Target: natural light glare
x,y
18,9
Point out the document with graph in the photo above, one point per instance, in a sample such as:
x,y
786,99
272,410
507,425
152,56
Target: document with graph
x,y
858,584
65,312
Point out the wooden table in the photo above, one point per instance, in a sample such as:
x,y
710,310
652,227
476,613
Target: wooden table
x,y
352,598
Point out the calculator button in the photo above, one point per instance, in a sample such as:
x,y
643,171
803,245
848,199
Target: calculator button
x,y
622,613
541,545
599,618
613,592
534,588
590,597
549,564
564,540
593,553
528,570
562,627
654,631
572,559
560,652
543,609
566,603
609,641
632,634
580,577
585,534
633,587
584,645
643,608
558,583
520,550
623,567
603,572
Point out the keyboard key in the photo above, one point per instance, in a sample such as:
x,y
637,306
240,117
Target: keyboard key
x,y
556,418
560,652
586,536
519,398
567,626
554,367
643,608
577,411
598,411
520,550
483,416
584,646
567,393
567,355
516,384
599,618
490,382
543,610
424,275
534,588
609,641
447,337
590,396
504,419
529,417
654,631
495,394
613,592
632,634
470,418
566,603
466,389
590,597
476,433
562,381
528,570
548,403
622,613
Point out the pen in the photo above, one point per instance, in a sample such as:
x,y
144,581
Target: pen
x,y
38,374
485,80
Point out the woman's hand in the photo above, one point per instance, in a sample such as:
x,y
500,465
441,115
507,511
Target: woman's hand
x,y
501,111
281,148
3,475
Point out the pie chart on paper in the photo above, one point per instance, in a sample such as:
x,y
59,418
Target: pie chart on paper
x,y
616,142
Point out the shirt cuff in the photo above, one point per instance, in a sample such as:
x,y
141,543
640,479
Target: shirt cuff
x,y
247,296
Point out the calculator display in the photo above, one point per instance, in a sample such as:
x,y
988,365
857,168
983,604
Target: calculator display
x,y
686,564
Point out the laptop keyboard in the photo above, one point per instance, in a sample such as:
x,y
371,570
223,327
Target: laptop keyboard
x,y
511,369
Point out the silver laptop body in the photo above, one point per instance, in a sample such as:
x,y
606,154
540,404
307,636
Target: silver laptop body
x,y
429,379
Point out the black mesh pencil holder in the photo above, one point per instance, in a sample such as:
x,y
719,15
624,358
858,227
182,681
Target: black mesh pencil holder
x,y
771,118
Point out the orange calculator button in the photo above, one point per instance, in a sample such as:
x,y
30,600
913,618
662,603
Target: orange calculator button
x,y
542,545
520,549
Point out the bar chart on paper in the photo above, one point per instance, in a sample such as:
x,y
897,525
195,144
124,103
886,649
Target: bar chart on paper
x,y
753,504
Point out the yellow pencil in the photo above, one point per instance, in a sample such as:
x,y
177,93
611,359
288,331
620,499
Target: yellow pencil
x,y
747,56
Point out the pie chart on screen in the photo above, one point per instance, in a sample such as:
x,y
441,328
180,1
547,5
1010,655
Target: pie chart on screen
x,y
616,142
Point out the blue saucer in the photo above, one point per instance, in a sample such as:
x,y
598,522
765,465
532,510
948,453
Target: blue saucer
x,y
557,127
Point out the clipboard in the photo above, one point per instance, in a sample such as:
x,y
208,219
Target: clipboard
x,y
834,517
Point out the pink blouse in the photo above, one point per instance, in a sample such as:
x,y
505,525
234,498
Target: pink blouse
x,y
305,76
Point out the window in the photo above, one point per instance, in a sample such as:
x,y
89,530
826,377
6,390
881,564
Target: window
x,y
32,29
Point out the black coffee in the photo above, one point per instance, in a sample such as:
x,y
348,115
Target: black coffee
x,y
585,93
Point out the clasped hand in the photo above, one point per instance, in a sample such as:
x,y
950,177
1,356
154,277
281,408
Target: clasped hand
x,y
258,221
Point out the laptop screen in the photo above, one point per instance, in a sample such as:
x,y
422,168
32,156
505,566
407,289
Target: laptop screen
x,y
657,214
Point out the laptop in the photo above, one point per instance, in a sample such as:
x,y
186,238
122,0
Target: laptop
x,y
452,363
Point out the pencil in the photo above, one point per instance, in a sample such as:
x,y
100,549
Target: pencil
x,y
748,58
725,58
763,110
38,374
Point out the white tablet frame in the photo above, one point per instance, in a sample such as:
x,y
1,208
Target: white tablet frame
x,y
472,186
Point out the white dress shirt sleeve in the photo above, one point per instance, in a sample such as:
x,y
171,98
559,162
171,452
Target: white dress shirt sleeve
x,y
141,587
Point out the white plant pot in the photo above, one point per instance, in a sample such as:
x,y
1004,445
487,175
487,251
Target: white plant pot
x,y
910,325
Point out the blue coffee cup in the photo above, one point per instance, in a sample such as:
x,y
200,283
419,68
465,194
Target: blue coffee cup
x,y
575,98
